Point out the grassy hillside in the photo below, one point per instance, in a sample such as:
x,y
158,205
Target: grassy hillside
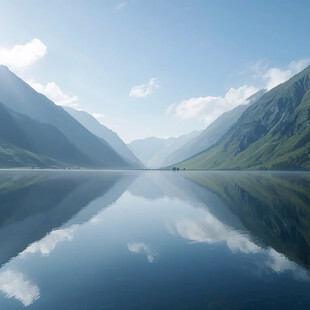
x,y
274,133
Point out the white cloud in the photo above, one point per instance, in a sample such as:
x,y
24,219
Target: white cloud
x,y
275,76
52,91
14,284
144,90
142,248
121,6
21,56
47,244
209,108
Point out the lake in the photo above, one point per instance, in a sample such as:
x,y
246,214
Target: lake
x,y
154,240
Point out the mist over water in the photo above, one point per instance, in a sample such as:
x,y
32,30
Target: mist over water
x,y
154,240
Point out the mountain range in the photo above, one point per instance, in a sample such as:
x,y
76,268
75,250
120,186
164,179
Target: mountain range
x,y
271,130
153,151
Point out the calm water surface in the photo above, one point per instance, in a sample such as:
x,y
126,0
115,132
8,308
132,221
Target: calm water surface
x,y
154,240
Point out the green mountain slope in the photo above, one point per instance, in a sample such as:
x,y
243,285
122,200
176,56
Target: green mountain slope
x,y
273,133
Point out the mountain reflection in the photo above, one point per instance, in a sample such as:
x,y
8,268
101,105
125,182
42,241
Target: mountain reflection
x,y
34,204
273,207
259,212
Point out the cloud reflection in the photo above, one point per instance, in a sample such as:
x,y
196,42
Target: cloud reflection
x,y
210,230
141,248
14,284
47,244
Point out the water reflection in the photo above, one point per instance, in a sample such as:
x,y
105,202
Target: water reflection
x,y
142,248
154,240
15,284
48,243
273,207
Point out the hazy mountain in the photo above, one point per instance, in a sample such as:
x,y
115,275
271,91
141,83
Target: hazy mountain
x,y
20,97
211,134
101,131
154,151
34,144
273,133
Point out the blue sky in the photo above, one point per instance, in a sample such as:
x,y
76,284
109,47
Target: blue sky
x,y
154,68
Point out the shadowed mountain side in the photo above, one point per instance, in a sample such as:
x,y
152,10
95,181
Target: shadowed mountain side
x,y
12,156
109,136
21,132
35,203
20,97
274,207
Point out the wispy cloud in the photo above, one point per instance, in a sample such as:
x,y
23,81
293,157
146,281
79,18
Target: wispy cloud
x,y
171,108
52,91
121,6
145,90
210,107
21,56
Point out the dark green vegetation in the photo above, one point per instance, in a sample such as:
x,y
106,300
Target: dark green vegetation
x,y
273,133
274,207
43,134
